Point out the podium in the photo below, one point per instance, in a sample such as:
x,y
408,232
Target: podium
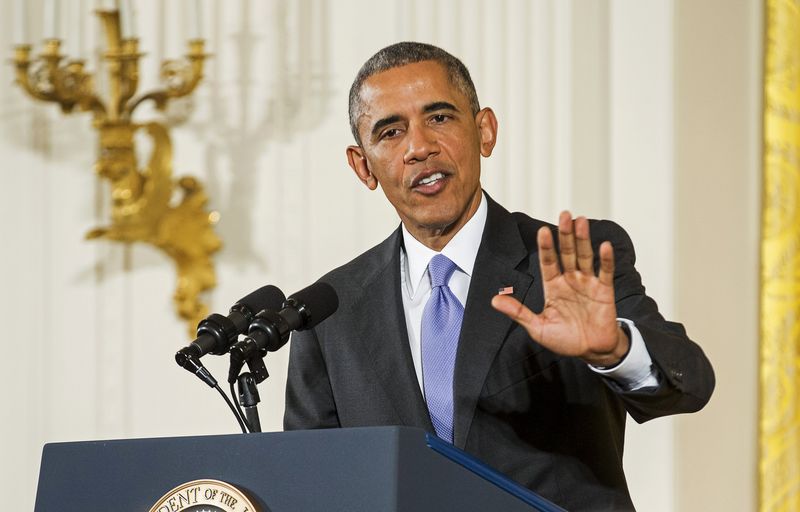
x,y
359,469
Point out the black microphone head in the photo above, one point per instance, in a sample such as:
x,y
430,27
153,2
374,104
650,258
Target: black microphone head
x,y
242,313
315,303
266,297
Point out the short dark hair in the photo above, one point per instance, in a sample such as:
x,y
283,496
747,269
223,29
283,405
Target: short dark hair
x,y
400,54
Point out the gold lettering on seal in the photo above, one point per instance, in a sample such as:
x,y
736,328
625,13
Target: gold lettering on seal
x,y
218,496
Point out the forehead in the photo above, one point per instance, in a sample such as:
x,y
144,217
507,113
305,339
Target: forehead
x,y
409,87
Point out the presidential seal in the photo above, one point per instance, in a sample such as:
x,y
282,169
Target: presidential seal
x,y
204,496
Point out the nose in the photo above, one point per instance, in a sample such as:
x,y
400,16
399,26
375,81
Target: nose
x,y
422,143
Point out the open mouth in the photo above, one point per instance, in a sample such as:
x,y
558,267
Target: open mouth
x,y
431,184
433,178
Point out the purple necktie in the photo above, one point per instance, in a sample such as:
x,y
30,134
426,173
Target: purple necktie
x,y
441,327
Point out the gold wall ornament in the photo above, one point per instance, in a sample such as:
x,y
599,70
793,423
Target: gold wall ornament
x,y
142,206
779,414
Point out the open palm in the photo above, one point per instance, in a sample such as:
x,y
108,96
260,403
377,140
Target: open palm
x,y
579,315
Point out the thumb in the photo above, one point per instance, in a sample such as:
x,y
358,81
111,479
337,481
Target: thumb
x,y
517,311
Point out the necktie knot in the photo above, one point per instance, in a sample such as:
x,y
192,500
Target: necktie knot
x,y
440,269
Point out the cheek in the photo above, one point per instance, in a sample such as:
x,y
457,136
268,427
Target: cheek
x,y
465,155
388,171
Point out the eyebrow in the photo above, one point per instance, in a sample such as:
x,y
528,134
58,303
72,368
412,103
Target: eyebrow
x,y
380,123
430,107
439,105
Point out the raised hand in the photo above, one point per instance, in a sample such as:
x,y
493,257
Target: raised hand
x,y
579,318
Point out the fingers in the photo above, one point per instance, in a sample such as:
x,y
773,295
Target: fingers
x,y
584,246
575,250
548,259
566,241
575,245
606,273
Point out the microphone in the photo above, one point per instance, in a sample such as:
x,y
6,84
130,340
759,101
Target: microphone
x,y
270,330
216,333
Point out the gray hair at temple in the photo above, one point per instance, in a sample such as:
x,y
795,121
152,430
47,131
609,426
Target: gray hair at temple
x,y
400,54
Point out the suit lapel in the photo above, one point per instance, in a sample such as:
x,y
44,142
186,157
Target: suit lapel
x,y
381,329
484,329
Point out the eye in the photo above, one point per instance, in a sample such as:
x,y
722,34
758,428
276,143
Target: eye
x,y
439,118
390,133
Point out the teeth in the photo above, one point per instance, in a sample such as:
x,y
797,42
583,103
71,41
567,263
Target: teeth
x,y
430,179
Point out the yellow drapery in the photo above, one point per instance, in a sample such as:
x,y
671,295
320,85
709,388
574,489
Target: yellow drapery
x,y
779,417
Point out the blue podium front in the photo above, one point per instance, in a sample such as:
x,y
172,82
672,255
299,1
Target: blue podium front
x,y
361,469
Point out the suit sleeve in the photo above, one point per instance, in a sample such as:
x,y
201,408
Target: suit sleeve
x,y
309,398
686,378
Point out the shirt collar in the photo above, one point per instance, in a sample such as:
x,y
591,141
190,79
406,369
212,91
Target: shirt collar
x,y
462,249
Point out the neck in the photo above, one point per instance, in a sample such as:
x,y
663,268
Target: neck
x,y
436,238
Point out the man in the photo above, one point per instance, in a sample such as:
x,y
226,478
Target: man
x,y
520,345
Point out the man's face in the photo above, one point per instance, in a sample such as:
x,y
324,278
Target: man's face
x,y
420,141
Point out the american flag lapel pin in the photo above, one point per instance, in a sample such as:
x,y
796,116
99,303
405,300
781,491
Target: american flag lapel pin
x,y
508,290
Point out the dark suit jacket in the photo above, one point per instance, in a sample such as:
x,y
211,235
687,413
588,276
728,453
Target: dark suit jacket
x,y
545,420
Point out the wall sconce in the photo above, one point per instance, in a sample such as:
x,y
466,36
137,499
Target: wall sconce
x,y
142,206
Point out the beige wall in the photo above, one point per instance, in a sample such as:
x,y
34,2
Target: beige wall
x,y
644,112
718,189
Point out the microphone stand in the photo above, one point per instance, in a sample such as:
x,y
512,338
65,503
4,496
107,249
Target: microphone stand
x,y
248,392
248,398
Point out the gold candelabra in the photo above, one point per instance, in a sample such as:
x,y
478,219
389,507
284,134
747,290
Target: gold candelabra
x,y
142,209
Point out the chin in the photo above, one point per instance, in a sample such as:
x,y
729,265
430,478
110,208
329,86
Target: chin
x,y
440,224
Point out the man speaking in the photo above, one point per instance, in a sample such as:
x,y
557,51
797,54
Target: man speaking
x,y
520,342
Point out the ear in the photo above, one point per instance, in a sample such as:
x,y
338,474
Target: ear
x,y
487,130
358,162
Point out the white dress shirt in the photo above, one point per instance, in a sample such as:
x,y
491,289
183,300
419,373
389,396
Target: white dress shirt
x,y
634,372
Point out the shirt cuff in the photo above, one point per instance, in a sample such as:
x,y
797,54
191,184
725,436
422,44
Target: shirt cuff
x,y
635,371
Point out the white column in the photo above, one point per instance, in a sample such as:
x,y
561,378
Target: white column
x,y
641,163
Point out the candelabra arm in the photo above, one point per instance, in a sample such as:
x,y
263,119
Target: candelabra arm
x,y
183,82
180,77
43,89
69,84
129,74
159,97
